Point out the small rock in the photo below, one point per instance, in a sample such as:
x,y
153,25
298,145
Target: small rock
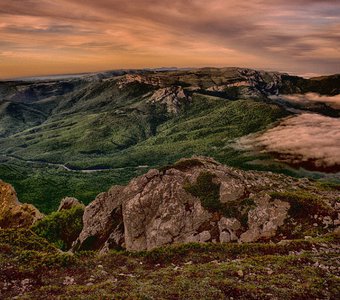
x,y
204,236
68,203
240,273
25,281
68,280
225,237
126,275
214,262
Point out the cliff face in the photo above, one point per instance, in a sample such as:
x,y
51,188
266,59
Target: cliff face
x,y
200,200
13,214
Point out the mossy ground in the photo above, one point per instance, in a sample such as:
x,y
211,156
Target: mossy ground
x,y
61,228
301,269
304,204
306,214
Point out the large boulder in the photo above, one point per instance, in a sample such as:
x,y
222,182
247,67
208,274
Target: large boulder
x,y
199,200
13,214
158,211
178,204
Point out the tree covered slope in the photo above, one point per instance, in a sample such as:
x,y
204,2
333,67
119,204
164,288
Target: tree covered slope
x,y
124,122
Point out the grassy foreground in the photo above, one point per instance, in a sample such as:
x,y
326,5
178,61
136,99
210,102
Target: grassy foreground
x,y
30,268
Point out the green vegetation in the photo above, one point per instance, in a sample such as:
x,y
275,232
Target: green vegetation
x,y
23,239
98,124
303,204
209,193
303,209
183,165
329,185
61,228
45,186
123,141
191,271
206,252
206,190
23,254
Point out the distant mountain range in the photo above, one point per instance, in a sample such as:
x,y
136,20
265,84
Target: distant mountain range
x,y
131,120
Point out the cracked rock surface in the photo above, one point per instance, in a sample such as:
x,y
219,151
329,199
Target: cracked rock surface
x,y
157,208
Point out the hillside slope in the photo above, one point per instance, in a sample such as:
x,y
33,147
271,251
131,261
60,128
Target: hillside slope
x,y
125,122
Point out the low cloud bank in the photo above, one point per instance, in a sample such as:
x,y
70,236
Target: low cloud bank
x,y
333,101
306,138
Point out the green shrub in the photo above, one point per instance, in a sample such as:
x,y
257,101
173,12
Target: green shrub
x,y
187,164
61,228
48,259
183,165
209,193
329,186
24,239
303,204
206,190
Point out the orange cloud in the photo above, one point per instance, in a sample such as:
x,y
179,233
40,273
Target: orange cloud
x,y
43,36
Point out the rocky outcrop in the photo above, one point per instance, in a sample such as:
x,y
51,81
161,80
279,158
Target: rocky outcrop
x,y
268,83
8,197
228,229
139,78
158,211
102,222
247,82
195,200
265,219
172,97
68,203
13,214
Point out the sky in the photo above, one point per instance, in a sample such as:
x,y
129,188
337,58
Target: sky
x,y
40,37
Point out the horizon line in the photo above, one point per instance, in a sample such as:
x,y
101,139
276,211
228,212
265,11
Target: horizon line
x,y
157,69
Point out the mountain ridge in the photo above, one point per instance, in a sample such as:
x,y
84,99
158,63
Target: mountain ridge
x,y
125,120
